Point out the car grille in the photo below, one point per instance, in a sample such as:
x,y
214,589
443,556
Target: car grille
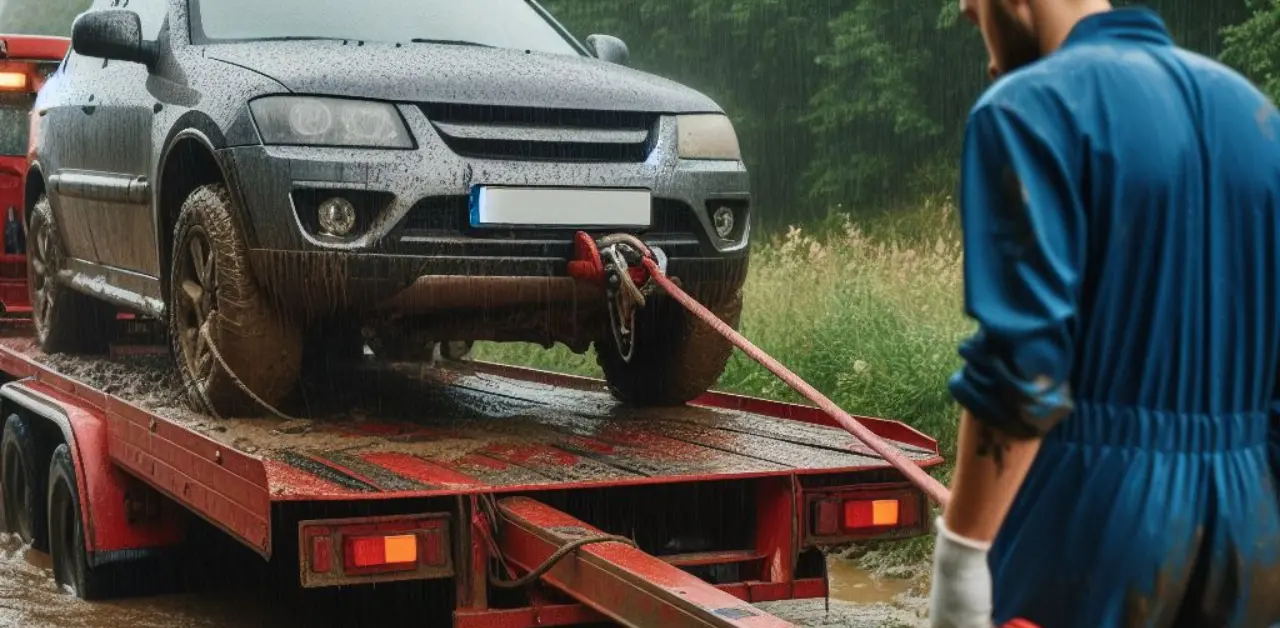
x,y
450,216
531,134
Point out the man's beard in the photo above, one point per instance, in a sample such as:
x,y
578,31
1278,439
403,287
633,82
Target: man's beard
x,y
1018,45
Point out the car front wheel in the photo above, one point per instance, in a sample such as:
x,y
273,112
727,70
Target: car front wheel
x,y
676,357
230,343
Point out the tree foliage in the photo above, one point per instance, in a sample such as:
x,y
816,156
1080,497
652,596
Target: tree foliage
x,y
1254,45
862,103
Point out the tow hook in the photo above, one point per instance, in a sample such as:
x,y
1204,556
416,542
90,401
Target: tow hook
x,y
628,285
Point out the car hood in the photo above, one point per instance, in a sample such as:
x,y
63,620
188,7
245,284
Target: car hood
x,y
461,75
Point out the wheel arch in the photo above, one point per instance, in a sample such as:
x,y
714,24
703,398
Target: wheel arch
x,y
101,486
33,187
189,160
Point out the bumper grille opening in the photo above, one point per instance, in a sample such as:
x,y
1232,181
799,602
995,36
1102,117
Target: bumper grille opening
x,y
449,216
533,134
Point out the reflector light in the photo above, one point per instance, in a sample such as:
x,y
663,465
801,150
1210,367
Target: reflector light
x,y
13,81
827,518
870,514
376,551
321,554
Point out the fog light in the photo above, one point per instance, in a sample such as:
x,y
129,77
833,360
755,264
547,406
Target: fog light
x,y
337,217
724,222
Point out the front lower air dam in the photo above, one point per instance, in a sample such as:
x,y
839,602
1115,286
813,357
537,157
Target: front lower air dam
x,y
337,217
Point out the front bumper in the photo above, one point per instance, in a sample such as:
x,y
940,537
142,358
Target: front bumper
x,y
324,283
414,215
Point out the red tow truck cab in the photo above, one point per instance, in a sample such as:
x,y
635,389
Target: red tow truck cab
x,y
25,62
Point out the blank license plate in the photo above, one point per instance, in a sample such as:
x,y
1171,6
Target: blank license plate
x,y
560,207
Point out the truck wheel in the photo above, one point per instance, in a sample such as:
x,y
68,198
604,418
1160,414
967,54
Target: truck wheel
x,y
676,357
24,478
65,321
213,296
66,533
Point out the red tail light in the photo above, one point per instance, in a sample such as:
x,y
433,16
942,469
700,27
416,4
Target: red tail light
x,y
866,512
375,550
875,513
382,551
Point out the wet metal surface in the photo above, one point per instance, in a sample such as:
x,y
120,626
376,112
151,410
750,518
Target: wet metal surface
x,y
407,429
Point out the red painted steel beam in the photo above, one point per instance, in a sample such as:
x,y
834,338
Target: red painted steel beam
x,y
619,581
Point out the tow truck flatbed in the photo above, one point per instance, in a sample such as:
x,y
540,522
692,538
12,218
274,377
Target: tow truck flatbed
x,y
440,438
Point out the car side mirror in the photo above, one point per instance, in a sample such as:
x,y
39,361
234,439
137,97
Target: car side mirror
x,y
609,48
114,34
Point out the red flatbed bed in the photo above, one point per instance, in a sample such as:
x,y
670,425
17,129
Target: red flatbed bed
x,y
443,438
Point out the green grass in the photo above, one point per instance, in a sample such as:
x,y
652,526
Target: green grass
x,y
867,311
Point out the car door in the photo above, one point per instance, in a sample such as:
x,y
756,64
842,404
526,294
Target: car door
x,y
117,146
63,120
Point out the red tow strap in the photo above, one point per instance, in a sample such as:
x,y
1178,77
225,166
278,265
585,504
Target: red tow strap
x,y
925,482
587,265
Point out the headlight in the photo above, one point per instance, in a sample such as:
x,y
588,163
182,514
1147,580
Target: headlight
x,y
708,137
311,121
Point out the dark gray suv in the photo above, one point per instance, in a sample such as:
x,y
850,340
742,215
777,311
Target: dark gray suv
x,y
286,182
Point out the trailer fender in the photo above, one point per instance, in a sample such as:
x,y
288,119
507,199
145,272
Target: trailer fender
x,y
123,518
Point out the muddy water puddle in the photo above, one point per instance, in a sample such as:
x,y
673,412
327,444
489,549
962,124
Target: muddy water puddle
x,y
857,586
30,599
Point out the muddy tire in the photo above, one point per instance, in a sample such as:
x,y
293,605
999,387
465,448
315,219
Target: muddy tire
x,y
676,358
65,321
213,295
24,481
66,534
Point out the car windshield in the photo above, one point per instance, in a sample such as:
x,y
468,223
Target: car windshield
x,y
14,125
513,24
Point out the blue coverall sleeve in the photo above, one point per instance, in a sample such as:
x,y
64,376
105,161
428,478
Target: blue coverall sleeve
x,y
1023,230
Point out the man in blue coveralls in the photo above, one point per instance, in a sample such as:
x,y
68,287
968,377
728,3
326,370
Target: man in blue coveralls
x,y
1120,204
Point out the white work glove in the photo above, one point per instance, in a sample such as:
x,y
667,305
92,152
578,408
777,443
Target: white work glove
x,y
960,596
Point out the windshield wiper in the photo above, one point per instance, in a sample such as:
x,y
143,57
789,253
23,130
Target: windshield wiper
x,y
301,38
450,42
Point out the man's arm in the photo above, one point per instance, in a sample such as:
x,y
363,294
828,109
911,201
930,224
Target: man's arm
x,y
1024,245
990,467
